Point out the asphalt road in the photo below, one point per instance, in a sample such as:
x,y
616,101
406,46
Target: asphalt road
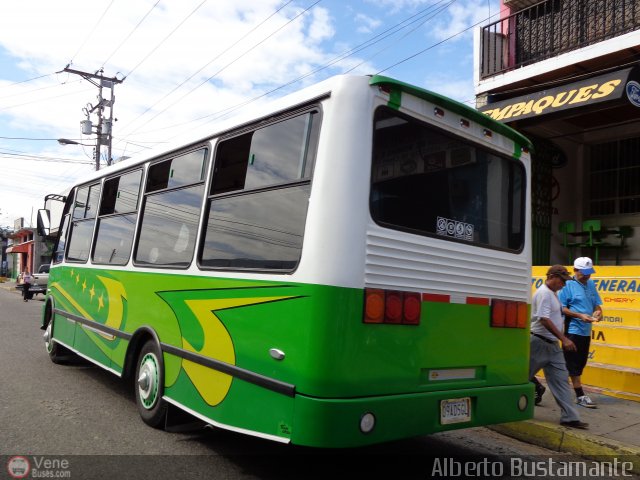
x,y
83,421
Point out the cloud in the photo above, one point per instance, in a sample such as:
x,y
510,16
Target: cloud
x,y
394,6
366,23
186,63
182,63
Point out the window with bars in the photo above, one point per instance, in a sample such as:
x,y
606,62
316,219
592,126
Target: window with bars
x,y
614,177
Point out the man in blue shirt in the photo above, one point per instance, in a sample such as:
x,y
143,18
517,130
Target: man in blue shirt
x,y
581,306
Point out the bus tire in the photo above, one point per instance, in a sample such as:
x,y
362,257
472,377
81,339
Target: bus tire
x,y
57,353
149,385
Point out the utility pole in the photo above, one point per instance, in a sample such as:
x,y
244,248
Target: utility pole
x,y
105,125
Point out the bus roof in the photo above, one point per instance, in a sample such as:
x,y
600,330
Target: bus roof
x,y
305,95
452,105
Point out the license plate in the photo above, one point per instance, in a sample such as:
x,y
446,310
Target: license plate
x,y
456,410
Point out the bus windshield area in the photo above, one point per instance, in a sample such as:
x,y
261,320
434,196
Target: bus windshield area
x,y
432,183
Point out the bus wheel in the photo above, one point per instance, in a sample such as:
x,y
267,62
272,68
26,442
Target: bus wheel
x,y
57,353
149,385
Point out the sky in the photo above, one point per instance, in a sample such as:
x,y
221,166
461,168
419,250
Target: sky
x,y
183,64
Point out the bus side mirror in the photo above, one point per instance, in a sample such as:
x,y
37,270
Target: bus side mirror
x,y
44,222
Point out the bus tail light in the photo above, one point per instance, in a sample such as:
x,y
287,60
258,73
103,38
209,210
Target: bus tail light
x,y
373,305
508,314
391,307
412,307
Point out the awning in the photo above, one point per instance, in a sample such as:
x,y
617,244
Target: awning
x,y
621,85
23,248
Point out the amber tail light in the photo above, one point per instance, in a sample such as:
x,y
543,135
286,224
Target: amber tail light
x,y
391,307
508,314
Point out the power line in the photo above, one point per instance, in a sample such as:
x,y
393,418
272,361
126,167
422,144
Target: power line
x,y
420,24
165,38
208,63
29,80
29,138
42,99
26,92
347,53
131,33
420,52
38,158
91,32
234,60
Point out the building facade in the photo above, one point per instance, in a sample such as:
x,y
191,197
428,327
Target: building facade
x,y
26,251
566,73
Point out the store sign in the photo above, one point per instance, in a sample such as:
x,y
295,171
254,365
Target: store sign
x,y
603,88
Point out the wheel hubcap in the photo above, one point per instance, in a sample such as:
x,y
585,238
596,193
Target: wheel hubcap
x,y
148,380
47,337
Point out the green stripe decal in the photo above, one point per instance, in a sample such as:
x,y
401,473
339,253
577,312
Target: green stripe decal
x,y
397,87
395,99
517,150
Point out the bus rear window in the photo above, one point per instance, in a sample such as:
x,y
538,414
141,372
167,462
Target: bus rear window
x,y
426,182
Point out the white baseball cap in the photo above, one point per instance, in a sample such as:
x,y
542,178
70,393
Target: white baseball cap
x,y
584,265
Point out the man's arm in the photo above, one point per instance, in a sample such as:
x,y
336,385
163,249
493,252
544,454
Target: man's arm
x,y
580,316
567,344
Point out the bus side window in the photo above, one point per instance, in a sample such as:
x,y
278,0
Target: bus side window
x,y
170,212
58,254
84,213
259,196
276,154
63,232
117,220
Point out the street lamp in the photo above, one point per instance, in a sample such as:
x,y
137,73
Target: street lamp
x,y
66,141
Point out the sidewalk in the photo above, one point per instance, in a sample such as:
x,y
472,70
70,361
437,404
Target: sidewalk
x,y
11,286
614,429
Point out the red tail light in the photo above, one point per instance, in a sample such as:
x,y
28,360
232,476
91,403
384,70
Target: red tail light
x,y
391,307
498,313
412,306
508,314
512,315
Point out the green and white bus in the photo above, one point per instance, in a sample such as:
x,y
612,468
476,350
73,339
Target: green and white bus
x,y
350,265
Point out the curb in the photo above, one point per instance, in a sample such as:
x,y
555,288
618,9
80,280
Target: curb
x,y
562,439
11,287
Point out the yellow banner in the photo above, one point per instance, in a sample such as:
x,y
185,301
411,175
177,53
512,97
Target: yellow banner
x,y
614,356
619,288
610,335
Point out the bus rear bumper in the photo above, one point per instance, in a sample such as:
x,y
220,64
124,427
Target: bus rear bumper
x,y
336,423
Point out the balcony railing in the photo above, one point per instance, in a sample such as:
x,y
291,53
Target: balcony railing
x,y
551,28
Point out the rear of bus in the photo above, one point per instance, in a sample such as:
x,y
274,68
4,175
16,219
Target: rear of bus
x,y
424,225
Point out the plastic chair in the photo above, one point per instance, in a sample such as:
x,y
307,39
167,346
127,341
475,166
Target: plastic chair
x,y
593,241
565,229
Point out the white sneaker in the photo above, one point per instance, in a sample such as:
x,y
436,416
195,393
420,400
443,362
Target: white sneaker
x,y
585,401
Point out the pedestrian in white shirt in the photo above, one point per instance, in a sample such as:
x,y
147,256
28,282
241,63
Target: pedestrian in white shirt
x,y
547,328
